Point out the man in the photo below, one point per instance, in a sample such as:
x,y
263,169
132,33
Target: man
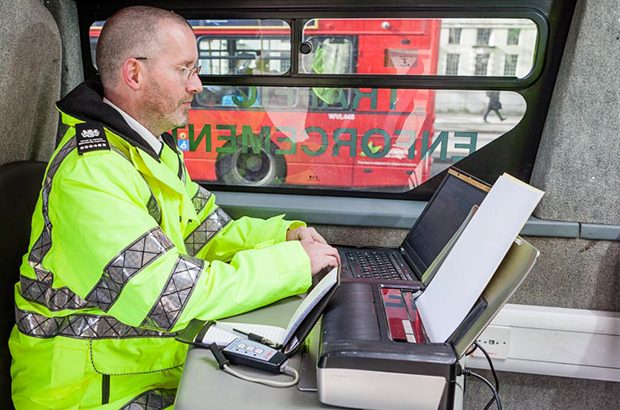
x,y
493,105
125,249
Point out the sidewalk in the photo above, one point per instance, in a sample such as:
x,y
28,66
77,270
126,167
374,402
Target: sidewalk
x,y
474,122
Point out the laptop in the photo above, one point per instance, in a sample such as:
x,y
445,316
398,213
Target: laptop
x,y
444,214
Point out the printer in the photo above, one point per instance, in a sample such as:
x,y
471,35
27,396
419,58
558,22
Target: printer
x,y
373,352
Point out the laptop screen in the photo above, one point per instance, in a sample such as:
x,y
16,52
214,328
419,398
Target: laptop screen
x,y
441,218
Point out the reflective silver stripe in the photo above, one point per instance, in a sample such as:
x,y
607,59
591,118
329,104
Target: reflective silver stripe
x,y
79,327
156,399
130,261
41,291
200,199
205,231
176,293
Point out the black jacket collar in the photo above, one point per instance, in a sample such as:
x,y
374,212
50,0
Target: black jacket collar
x,y
85,102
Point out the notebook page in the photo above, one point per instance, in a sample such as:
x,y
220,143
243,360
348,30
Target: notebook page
x,y
222,333
475,256
309,302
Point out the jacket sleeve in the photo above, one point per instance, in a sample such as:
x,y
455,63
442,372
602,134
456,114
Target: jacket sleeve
x,y
242,234
116,256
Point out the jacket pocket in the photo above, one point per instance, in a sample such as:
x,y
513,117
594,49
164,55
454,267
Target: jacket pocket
x,y
136,355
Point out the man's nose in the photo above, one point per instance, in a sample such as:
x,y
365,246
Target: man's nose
x,y
195,85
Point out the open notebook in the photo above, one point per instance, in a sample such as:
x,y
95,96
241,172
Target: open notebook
x,y
203,333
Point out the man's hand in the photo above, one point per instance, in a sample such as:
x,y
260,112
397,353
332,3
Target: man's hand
x,y
321,255
303,233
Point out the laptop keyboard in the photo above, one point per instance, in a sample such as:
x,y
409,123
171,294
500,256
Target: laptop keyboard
x,y
376,265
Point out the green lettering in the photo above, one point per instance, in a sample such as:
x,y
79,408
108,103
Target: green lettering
x,y
322,147
473,141
283,139
351,142
358,95
377,152
410,141
230,137
249,139
249,97
441,139
194,143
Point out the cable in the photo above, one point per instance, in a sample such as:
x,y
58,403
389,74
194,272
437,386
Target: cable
x,y
286,369
224,364
488,383
484,352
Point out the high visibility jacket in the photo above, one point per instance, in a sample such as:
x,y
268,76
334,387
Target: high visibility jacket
x,y
125,250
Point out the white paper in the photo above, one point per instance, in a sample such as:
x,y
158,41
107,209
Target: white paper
x,y
475,256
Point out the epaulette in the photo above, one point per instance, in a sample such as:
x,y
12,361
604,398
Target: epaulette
x,y
90,136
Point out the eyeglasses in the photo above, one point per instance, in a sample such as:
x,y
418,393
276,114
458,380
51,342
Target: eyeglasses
x,y
189,72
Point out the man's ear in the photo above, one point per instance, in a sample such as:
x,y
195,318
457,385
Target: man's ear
x,y
132,73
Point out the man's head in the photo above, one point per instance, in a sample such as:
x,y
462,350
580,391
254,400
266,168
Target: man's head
x,y
145,57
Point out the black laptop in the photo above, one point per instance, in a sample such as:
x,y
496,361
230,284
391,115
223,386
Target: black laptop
x,y
444,214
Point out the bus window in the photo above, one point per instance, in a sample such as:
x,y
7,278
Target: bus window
x,y
484,47
235,47
242,47
371,139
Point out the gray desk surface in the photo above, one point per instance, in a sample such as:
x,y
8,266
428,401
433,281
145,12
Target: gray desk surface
x,y
204,386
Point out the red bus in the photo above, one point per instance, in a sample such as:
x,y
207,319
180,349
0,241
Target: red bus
x,y
313,136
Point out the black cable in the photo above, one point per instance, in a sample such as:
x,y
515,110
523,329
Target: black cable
x,y
484,352
490,386
471,349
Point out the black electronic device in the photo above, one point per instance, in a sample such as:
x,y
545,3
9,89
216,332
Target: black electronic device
x,y
442,217
249,353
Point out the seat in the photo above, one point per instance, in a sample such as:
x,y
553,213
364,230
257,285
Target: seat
x,y
20,183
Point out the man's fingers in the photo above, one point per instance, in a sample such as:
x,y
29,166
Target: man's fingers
x,y
316,236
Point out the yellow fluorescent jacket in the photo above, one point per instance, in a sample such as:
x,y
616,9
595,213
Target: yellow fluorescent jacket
x,y
125,250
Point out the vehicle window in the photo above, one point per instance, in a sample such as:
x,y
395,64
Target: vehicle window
x,y
301,131
383,140
456,47
238,47
235,47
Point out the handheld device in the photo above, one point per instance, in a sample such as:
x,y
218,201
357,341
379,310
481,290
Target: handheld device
x,y
253,354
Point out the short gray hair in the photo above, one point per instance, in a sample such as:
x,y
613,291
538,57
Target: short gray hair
x,y
130,32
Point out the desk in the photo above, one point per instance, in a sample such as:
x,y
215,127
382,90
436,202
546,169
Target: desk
x,y
204,386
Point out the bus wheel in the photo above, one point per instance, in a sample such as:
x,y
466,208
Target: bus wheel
x,y
247,167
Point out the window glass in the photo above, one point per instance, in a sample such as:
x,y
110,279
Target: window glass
x,y
417,46
454,35
482,64
513,36
452,64
510,65
482,36
236,47
242,47
383,140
